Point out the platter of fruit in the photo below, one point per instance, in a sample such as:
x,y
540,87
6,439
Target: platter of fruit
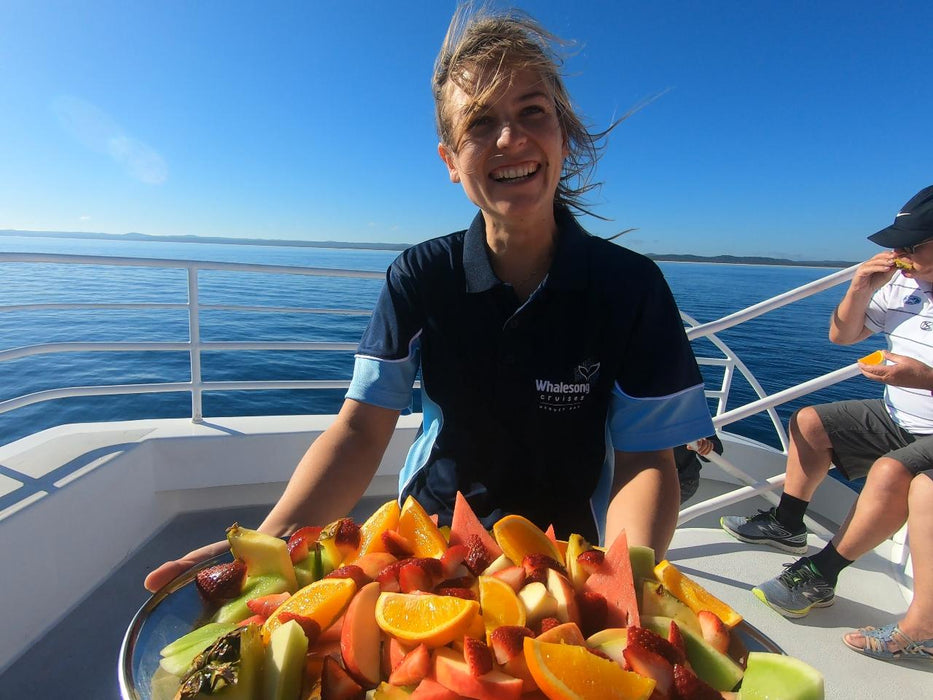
x,y
397,607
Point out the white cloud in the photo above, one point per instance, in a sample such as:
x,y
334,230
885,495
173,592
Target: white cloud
x,y
96,130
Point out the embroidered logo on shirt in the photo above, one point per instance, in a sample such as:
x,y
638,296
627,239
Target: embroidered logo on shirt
x,y
560,396
911,299
925,325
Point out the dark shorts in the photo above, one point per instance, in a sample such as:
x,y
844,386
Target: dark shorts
x,y
861,431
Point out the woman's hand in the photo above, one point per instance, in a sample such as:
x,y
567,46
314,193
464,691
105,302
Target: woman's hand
x,y
905,372
170,569
703,448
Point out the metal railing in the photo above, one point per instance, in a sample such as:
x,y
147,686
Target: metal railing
x,y
195,346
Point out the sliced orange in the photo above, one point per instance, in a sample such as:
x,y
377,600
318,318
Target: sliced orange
x,y
569,672
519,537
416,618
500,604
693,594
417,527
385,518
322,601
875,358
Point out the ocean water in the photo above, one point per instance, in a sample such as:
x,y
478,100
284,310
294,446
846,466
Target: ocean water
x,y
783,348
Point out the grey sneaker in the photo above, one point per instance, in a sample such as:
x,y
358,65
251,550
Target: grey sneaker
x,y
764,528
796,591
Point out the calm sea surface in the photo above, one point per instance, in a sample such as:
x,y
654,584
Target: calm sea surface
x,y
782,349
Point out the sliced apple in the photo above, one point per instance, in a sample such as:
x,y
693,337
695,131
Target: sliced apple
x,y
538,602
564,594
451,671
360,637
611,641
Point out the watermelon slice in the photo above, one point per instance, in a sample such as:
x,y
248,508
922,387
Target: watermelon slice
x,y
615,582
464,523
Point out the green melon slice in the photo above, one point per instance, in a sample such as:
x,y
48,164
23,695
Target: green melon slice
x,y
778,676
714,667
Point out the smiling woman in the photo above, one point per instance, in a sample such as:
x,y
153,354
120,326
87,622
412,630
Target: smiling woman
x,y
500,316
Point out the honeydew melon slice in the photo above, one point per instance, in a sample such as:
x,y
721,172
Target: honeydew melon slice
x,y
778,676
236,610
285,659
177,656
712,666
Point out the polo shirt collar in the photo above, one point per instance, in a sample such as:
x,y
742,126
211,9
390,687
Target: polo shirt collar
x,y
568,270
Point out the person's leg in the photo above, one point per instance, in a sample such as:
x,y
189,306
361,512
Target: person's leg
x,y
809,459
917,623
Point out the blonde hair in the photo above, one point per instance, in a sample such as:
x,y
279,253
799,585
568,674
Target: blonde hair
x,y
480,53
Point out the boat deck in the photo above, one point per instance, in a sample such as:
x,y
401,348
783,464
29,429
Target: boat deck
x,y
78,658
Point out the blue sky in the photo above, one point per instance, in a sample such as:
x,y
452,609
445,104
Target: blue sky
x,y
783,128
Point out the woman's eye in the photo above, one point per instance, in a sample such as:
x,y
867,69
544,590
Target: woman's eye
x,y
480,122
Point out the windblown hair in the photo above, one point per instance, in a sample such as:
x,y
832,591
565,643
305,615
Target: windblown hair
x,y
480,54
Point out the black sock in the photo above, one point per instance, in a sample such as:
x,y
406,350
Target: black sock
x,y
828,562
790,512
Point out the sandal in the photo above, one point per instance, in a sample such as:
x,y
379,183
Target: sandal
x,y
876,641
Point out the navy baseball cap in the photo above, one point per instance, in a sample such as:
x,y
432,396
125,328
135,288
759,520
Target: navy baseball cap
x,y
912,225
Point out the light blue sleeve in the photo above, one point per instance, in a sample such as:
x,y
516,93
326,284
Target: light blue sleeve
x,y
386,383
658,422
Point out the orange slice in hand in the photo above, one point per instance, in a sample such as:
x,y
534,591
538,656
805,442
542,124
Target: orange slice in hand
x,y
322,601
416,618
385,518
500,604
569,672
519,537
876,358
693,594
415,525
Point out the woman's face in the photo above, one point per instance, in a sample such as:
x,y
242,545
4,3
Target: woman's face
x,y
511,152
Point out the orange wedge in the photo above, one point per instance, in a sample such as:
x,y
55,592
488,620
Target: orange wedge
x,y
876,358
500,604
322,601
693,594
417,527
518,537
569,672
385,518
416,618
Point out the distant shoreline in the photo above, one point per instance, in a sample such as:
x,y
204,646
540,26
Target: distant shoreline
x,y
148,238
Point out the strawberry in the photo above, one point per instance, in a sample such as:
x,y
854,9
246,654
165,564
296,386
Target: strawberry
x,y
676,638
456,592
397,544
593,612
591,560
477,656
310,627
452,561
412,577
688,687
507,641
714,630
351,571
647,663
221,582
388,577
251,620
460,582
655,643
265,605
299,544
413,667
512,575
347,536
336,684
535,562
547,623
477,558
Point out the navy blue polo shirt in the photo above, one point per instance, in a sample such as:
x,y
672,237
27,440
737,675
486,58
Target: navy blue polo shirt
x,y
525,403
